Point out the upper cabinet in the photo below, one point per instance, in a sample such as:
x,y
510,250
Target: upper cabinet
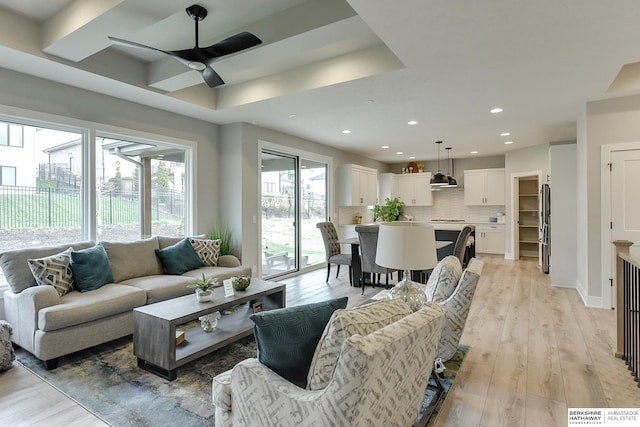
x,y
484,187
357,186
413,189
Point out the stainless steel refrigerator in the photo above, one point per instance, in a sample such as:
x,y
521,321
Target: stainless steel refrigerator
x,y
545,225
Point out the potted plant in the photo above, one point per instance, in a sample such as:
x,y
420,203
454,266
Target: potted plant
x,y
223,233
390,211
203,288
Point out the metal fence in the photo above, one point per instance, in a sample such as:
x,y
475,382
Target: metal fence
x,y
34,207
283,206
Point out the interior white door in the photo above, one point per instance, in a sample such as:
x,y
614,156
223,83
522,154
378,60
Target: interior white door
x,y
625,203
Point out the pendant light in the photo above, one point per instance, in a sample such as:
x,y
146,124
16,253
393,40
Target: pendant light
x,y
438,180
452,181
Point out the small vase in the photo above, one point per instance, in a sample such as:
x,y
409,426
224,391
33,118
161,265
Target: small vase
x,y
203,296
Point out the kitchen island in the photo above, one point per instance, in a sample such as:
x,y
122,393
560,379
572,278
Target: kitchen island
x,y
448,230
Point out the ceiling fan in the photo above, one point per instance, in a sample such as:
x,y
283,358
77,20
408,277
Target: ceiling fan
x,y
200,58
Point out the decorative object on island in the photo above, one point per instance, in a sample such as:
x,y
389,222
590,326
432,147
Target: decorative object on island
x,y
241,283
452,183
407,246
388,212
203,288
208,322
439,179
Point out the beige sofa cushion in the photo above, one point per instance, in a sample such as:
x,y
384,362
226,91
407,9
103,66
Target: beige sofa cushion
x,y
133,259
15,264
161,287
76,308
220,273
362,320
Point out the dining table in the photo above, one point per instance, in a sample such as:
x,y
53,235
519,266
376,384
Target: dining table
x,y
356,268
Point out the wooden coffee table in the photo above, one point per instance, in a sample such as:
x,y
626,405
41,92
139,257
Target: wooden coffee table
x,y
154,327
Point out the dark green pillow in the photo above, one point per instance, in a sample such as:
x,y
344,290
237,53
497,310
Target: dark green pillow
x,y
91,268
287,337
179,258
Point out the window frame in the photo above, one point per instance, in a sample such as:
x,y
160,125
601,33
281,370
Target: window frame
x,y
2,168
89,131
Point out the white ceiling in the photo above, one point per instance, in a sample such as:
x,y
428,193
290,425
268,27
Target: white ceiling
x,y
329,65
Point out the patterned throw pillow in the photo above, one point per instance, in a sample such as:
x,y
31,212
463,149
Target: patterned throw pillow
x,y
444,279
207,250
362,320
54,270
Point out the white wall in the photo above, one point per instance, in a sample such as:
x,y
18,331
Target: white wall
x,y
609,121
563,175
240,150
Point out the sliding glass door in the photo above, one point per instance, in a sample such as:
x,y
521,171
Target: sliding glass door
x,y
293,200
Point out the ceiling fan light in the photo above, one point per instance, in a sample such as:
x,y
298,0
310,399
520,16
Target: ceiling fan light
x,y
198,66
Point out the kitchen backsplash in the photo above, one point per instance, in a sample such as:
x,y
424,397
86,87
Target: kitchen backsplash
x,y
447,204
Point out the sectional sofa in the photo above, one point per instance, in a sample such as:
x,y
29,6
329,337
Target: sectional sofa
x,y
51,321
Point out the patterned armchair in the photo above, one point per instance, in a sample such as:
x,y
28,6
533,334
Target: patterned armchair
x,y
379,380
332,248
457,306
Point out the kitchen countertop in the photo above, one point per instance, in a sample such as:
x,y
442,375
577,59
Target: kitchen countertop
x,y
441,225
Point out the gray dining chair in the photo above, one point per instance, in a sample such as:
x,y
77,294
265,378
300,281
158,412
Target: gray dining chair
x,y
332,248
368,235
461,244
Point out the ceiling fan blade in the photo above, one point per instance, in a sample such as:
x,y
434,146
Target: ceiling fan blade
x,y
211,78
123,42
233,44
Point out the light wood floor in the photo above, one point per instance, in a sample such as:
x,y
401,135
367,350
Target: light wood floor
x,y
535,351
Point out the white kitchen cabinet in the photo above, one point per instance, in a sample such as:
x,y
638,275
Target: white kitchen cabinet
x,y
489,238
414,189
387,186
484,187
357,186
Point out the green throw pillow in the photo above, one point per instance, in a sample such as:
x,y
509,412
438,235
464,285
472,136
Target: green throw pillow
x,y
91,268
287,337
179,258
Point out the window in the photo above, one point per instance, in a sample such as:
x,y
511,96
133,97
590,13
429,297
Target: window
x,y
7,175
41,200
123,167
11,134
290,239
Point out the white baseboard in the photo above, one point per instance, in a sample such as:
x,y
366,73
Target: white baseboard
x,y
589,301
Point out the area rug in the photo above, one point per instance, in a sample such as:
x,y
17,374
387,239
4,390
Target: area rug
x,y
106,381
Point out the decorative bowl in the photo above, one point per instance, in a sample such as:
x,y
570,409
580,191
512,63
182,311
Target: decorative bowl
x,y
241,283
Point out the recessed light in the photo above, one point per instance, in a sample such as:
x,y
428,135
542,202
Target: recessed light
x,y
385,146
412,122
412,157
474,152
399,152
346,131
497,110
291,116
505,134
508,142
